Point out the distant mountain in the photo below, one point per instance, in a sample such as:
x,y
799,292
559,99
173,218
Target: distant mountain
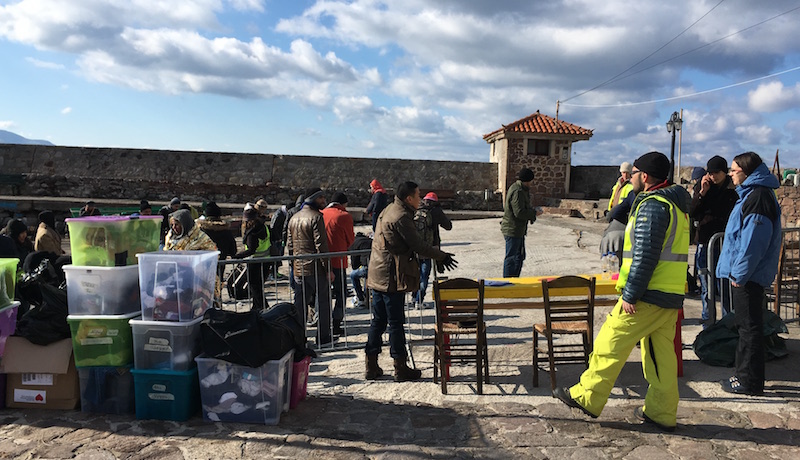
x,y
7,137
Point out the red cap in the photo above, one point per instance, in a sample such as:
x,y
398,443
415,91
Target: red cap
x,y
431,197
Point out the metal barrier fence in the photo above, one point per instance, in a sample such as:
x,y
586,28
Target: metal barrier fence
x,y
333,321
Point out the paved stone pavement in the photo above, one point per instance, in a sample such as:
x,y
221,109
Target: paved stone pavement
x,y
347,417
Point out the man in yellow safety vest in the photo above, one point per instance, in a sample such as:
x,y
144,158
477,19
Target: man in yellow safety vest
x,y
652,284
622,187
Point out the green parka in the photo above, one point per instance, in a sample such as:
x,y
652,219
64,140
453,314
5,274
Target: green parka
x,y
517,211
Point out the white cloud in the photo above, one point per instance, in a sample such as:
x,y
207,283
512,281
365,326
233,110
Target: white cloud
x,y
6,124
44,64
66,110
773,97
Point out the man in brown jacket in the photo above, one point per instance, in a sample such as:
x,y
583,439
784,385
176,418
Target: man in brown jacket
x,y
393,271
307,235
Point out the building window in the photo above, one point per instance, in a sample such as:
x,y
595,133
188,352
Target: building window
x,y
538,147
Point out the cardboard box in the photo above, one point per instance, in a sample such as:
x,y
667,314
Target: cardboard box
x,y
40,377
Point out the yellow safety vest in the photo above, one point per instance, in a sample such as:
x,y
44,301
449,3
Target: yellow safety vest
x,y
670,273
263,246
617,197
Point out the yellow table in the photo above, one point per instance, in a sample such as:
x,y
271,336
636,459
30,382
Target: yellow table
x,y
530,288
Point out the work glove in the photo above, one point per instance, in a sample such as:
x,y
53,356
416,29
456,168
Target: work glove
x,y
448,263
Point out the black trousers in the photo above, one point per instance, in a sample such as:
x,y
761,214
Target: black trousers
x,y
255,285
748,306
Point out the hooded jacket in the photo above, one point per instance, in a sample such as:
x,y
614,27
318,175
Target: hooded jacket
x,y
393,264
220,233
191,239
378,202
47,239
517,211
752,242
339,229
649,233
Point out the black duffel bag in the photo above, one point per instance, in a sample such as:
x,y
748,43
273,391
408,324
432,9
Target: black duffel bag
x,y
251,338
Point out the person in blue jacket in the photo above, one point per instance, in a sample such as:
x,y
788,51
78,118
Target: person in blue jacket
x,y
749,258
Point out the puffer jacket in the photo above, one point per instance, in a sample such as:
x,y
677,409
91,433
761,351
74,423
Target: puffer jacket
x,y
192,238
307,236
751,248
517,211
220,233
393,264
650,230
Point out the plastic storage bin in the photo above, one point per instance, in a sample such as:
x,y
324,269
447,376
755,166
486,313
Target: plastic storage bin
x,y
8,324
166,395
109,241
177,285
8,279
107,390
299,381
233,393
102,290
165,345
102,340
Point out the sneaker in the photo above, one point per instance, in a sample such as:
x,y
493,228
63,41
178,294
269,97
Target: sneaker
x,y
734,386
354,302
562,393
428,304
312,318
639,414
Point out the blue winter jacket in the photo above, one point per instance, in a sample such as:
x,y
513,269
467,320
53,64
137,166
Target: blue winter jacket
x,y
752,242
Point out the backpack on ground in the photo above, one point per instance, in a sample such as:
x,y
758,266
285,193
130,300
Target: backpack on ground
x,y
423,221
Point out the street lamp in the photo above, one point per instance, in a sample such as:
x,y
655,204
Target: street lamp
x,y
673,126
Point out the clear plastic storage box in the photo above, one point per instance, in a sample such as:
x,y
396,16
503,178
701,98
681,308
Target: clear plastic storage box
x,y
112,241
177,285
102,340
106,390
234,393
166,395
102,290
164,345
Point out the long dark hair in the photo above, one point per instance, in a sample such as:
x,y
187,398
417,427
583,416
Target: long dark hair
x,y
748,161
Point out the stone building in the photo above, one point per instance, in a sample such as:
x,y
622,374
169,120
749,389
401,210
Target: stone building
x,y
540,143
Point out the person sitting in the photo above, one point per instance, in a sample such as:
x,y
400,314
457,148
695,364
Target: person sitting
x,y
359,265
184,235
89,209
15,243
47,238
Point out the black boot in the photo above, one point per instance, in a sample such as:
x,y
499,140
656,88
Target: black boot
x,y
403,373
373,370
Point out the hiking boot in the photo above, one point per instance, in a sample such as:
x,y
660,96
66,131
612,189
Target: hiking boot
x,y
639,414
403,373
562,393
373,370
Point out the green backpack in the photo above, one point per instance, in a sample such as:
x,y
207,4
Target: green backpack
x,y
423,221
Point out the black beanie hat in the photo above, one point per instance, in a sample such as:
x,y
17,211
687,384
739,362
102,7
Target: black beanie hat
x,y
48,218
717,164
312,194
655,164
525,175
212,210
339,197
15,227
144,204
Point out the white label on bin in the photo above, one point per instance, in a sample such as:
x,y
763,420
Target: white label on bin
x,y
159,387
157,341
112,332
30,396
160,348
161,396
96,332
37,379
98,341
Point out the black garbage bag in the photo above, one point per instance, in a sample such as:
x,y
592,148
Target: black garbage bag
x,y
716,345
46,323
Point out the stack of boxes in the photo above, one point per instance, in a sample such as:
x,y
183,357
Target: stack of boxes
x,y
177,287
103,295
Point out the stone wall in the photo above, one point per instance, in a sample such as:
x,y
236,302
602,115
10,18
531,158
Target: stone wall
x,y
158,175
789,198
550,172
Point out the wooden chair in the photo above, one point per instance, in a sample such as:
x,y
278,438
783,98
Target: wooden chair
x,y
457,318
570,316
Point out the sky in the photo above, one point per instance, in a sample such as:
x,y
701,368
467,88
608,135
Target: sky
x,y
416,79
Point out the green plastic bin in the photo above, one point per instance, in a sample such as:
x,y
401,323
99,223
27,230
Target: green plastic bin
x,y
102,340
112,241
8,279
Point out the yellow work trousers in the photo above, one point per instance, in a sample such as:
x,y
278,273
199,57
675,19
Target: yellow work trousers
x,y
654,327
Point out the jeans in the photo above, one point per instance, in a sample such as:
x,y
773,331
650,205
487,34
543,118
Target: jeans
x,y
748,306
515,254
424,273
701,262
355,277
315,286
388,309
338,290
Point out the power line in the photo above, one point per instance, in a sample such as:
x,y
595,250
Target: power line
x,y
612,79
684,96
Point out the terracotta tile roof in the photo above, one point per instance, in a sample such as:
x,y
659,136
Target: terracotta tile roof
x,y
542,124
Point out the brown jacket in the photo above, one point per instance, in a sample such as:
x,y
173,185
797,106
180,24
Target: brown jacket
x,y
393,265
307,235
48,240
